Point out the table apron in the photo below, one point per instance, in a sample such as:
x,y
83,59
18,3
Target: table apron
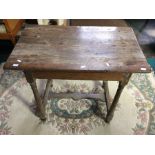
x,y
106,76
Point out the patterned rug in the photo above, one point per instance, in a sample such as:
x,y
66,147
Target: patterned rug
x,y
135,113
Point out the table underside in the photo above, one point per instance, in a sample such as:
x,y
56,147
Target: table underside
x,y
123,79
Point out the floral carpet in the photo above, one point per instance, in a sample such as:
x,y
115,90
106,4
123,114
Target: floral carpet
x,y
135,113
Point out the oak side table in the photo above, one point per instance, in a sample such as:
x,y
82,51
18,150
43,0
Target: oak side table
x,y
77,53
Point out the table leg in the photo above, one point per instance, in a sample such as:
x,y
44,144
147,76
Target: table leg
x,y
40,105
47,89
121,86
106,94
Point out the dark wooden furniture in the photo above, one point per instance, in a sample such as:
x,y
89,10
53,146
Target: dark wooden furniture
x,y
98,22
12,27
78,53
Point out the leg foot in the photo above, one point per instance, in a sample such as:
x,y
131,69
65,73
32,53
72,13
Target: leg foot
x,y
109,118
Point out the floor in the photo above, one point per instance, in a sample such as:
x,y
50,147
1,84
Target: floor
x,y
144,30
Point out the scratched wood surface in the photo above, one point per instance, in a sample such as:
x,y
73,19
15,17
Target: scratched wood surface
x,y
75,48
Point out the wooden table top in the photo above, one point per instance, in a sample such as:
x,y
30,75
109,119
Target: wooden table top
x,y
75,48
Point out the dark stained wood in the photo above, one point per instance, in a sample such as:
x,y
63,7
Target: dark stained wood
x,y
78,53
106,93
98,22
85,49
78,75
77,96
49,84
40,106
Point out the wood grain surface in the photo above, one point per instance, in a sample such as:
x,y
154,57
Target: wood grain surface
x,y
75,48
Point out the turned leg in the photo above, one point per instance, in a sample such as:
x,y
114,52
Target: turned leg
x,y
47,89
40,105
121,86
106,94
